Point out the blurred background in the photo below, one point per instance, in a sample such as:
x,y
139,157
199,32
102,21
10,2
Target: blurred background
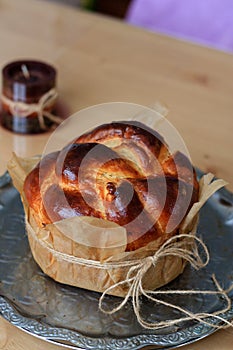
x,y
115,8
206,22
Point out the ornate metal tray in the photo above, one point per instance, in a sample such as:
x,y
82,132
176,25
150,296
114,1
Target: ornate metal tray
x,y
70,317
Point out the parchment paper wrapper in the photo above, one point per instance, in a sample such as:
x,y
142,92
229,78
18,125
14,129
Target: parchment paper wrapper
x,y
90,253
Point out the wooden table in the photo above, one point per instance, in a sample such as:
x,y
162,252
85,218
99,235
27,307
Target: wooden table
x,y
101,60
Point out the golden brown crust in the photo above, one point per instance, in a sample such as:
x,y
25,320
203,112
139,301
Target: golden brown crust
x,y
121,172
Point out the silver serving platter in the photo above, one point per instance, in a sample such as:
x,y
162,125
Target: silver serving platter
x,y
69,316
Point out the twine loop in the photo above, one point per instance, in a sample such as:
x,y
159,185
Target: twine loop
x,y
178,246
22,109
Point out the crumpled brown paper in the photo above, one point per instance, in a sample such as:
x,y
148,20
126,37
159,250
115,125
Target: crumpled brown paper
x,y
72,253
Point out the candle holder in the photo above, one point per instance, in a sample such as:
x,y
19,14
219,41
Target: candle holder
x,y
28,97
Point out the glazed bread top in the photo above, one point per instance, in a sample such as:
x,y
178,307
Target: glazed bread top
x,y
121,172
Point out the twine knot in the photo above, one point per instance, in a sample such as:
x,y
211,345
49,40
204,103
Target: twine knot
x,y
184,246
22,109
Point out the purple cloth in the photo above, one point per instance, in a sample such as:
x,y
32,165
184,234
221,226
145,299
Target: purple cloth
x,y
209,22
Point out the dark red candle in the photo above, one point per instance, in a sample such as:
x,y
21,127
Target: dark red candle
x,y
28,96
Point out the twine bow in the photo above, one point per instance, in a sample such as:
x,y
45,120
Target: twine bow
x,y
179,247
22,109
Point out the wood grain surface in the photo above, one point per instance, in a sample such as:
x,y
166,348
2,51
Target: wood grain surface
x,y
103,60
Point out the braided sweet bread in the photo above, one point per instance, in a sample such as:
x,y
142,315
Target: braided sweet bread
x,y
121,172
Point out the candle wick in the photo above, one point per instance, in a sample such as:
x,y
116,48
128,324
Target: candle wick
x,y
25,71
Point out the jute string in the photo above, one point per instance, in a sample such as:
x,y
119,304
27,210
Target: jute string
x,y
22,109
175,246
185,246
